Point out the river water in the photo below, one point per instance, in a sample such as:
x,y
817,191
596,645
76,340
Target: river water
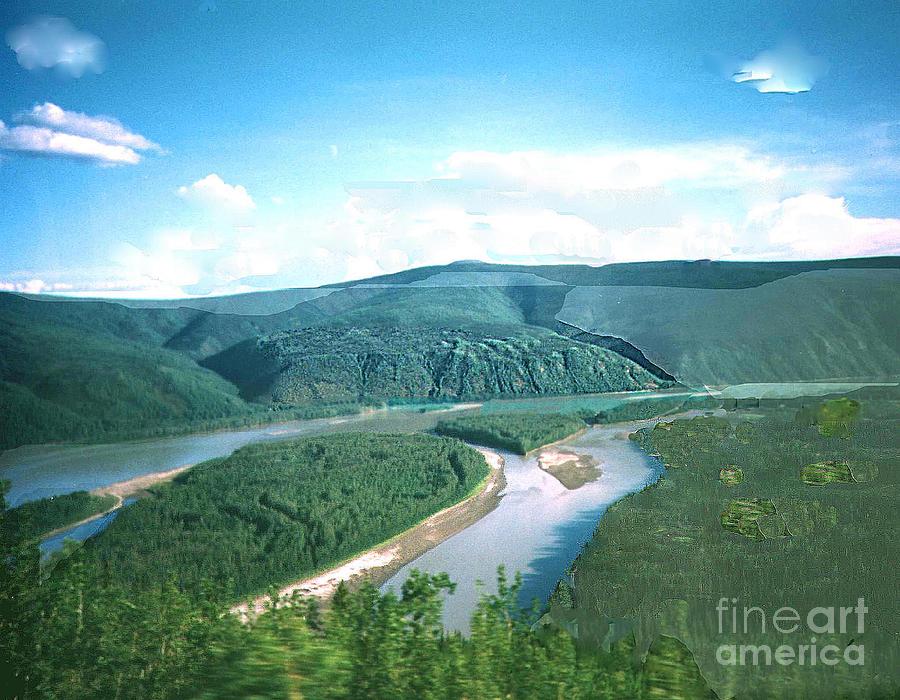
x,y
42,471
539,526
537,529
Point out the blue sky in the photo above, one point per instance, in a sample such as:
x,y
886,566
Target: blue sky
x,y
227,146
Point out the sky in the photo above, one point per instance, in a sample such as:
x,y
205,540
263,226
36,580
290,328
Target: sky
x,y
169,149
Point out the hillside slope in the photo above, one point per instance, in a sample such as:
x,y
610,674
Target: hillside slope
x,y
70,369
819,325
392,363
59,382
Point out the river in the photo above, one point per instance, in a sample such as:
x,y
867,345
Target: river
x,y
539,526
537,529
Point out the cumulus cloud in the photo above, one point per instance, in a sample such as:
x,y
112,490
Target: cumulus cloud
x,y
33,286
54,42
786,69
702,165
615,205
214,193
105,129
812,226
689,201
49,130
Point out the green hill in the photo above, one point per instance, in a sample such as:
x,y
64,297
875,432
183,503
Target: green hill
x,y
834,324
419,363
60,383
699,274
77,369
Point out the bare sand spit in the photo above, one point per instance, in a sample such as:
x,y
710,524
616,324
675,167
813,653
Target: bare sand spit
x,y
377,565
122,489
140,483
572,470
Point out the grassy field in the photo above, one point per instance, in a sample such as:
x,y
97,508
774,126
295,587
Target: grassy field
x,y
765,510
516,432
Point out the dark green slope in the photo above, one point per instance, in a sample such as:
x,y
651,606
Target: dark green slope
x,y
823,325
60,382
146,326
418,363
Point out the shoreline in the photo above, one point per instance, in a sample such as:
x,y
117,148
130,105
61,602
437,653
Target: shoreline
x,y
379,563
120,490
572,436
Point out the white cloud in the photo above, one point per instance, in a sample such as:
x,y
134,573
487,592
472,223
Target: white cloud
x,y
787,69
104,129
333,149
54,42
702,165
40,141
213,192
675,202
49,130
813,226
277,200
31,286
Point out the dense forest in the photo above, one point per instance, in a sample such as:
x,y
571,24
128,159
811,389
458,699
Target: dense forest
x,y
275,512
384,363
516,432
773,507
74,635
35,518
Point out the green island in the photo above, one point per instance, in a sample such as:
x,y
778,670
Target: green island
x,y
794,530
277,512
36,518
517,432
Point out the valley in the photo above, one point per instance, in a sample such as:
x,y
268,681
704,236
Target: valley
x,y
318,464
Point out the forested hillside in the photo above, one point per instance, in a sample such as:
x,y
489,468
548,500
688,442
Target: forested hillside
x,y
366,364
62,382
276,512
88,370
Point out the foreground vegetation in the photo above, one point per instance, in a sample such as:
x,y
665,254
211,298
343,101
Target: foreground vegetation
x,y
758,508
276,512
516,432
76,635
36,518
